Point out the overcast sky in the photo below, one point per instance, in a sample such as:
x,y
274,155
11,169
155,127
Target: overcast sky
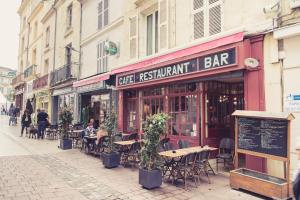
x,y
9,33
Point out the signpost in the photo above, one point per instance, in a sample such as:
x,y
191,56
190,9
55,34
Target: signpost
x,y
265,135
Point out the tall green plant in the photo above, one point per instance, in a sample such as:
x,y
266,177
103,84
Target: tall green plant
x,y
110,124
66,118
154,129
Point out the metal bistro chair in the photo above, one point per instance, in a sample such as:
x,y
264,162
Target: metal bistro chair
x,y
183,144
132,155
202,164
185,169
133,136
226,152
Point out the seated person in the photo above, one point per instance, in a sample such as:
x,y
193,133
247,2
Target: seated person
x,y
100,133
90,128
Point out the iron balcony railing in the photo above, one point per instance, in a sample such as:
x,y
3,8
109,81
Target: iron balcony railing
x,y
30,71
40,82
18,79
62,74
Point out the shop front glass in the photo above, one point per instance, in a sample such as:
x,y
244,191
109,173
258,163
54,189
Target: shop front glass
x,y
66,101
100,107
131,108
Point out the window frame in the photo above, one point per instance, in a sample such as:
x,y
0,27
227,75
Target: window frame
x,y
154,33
47,39
101,14
69,18
102,57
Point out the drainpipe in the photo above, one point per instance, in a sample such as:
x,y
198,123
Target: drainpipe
x,y
55,26
79,66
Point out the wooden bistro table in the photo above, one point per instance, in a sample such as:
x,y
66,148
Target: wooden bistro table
x,y
172,157
124,148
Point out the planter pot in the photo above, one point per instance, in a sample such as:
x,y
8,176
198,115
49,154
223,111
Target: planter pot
x,y
65,144
150,179
111,160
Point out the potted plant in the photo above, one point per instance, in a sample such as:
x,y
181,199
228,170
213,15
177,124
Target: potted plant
x,y
66,118
110,158
150,175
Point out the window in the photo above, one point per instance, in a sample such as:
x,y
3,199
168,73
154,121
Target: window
x,y
47,36
153,102
103,14
183,105
21,66
152,33
69,54
24,22
46,66
102,58
69,16
207,17
130,109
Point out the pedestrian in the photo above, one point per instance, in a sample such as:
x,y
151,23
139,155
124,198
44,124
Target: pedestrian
x,y
11,114
25,122
16,113
296,185
42,121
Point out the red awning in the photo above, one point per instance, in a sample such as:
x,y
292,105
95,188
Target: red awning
x,y
91,80
181,53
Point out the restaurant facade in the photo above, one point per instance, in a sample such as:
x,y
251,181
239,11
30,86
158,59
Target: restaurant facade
x,y
199,87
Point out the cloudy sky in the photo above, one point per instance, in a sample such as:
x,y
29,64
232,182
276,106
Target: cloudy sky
x,y
9,34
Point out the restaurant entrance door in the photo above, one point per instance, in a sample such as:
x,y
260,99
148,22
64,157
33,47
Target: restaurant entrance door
x,y
220,100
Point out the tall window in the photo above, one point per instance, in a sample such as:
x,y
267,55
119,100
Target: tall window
x,y
183,105
152,33
47,36
130,109
133,37
153,102
69,15
103,14
207,17
69,54
102,58
24,22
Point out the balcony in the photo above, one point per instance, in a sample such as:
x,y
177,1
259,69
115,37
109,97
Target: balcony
x,y
17,80
63,74
30,71
40,82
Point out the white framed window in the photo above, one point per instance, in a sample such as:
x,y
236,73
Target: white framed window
x,y
46,66
35,29
69,15
103,14
23,44
47,37
102,58
207,18
133,33
152,33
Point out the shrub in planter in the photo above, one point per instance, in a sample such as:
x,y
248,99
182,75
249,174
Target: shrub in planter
x,y
150,175
110,158
66,118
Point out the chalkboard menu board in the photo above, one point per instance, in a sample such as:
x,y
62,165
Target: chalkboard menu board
x,y
266,136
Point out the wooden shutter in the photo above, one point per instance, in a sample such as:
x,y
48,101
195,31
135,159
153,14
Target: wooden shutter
x,y
133,36
163,13
105,12
198,19
215,19
104,58
100,15
99,57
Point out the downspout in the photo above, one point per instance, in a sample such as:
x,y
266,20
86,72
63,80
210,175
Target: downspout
x,y
54,45
79,65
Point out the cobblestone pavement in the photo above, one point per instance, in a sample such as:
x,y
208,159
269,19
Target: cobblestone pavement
x,y
37,169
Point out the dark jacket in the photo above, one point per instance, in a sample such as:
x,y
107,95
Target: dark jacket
x,y
26,123
296,187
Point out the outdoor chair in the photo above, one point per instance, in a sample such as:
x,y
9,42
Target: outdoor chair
x,y
102,145
202,165
184,169
183,144
132,136
168,146
226,152
131,156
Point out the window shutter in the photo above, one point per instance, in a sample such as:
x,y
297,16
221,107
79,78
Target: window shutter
x,y
198,18
133,36
215,19
105,12
163,23
100,18
99,57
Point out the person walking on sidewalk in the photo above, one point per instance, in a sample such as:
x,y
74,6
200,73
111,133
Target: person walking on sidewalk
x,y
11,114
42,120
296,185
25,122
